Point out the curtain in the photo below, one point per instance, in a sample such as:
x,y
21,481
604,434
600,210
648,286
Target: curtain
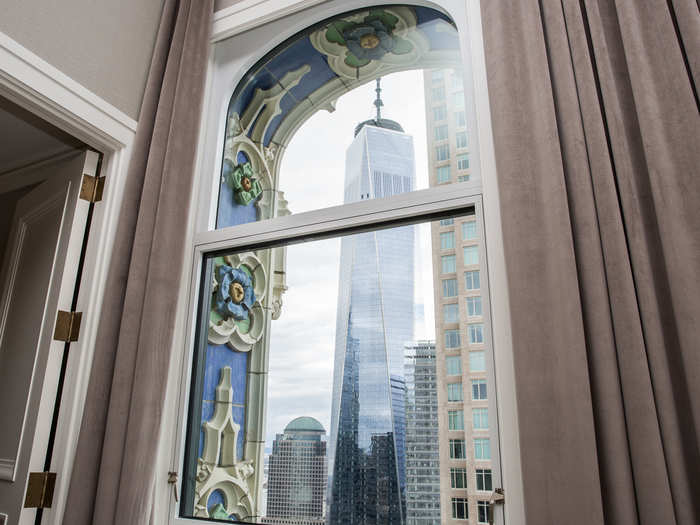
x,y
594,109
113,473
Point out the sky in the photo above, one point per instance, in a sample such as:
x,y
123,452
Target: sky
x,y
302,340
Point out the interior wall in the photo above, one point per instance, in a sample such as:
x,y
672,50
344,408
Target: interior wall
x,y
104,45
8,202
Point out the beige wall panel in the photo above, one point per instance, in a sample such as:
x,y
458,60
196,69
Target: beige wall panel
x,y
105,45
223,4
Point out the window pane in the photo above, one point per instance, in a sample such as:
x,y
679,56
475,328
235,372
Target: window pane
x,y
438,93
446,222
476,333
449,263
453,365
452,339
449,287
451,313
458,99
455,420
447,240
471,255
441,132
461,118
463,161
439,113
480,418
482,448
457,449
471,280
459,509
454,392
443,174
479,389
469,231
483,480
477,362
461,139
442,152
483,511
458,478
436,75
474,306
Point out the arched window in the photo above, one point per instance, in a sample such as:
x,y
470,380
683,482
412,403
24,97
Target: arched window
x,y
330,297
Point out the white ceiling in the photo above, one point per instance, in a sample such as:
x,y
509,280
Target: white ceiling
x,y
26,139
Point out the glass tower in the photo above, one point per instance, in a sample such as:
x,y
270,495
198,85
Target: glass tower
x,y
374,321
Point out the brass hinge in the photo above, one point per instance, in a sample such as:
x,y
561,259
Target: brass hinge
x,y
92,188
67,326
40,490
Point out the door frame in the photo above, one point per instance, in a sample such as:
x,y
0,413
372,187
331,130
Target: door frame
x,y
35,85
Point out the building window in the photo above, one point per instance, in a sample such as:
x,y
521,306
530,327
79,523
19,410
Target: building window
x,y
439,113
476,333
480,418
462,178
457,449
483,511
447,240
455,420
447,222
469,231
461,119
438,93
479,389
454,392
451,313
458,99
436,76
471,280
482,448
452,339
463,161
483,479
449,287
441,132
442,152
458,478
461,139
454,365
477,362
460,509
471,255
457,80
443,175
474,306
449,263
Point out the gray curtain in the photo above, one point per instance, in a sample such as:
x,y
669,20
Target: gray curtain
x,y
113,473
597,136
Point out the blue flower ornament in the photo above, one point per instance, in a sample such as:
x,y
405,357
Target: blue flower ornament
x,y
234,295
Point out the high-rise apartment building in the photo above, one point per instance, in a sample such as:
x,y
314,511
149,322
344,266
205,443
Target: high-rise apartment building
x,y
374,320
465,447
297,474
422,459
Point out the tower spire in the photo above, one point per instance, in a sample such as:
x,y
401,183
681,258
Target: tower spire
x,y
378,101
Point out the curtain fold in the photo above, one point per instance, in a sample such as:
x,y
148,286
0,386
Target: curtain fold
x,y
595,121
113,473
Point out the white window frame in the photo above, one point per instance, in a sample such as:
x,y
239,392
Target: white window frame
x,y
250,14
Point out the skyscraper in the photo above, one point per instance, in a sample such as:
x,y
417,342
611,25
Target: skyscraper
x,y
422,461
374,320
463,418
297,473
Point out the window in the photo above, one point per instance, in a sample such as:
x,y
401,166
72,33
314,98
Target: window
x,y
449,287
480,418
460,509
471,280
451,314
476,333
483,511
449,263
457,449
441,132
458,99
442,152
461,119
477,362
447,240
474,306
452,339
461,139
443,175
469,231
455,420
478,389
447,222
462,178
482,448
483,479
439,113
438,93
463,161
471,255
457,80
458,478
436,76
454,392
454,365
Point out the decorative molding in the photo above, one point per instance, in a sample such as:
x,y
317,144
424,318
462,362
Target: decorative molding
x,y
7,469
25,78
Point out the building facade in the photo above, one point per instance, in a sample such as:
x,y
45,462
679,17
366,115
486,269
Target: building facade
x,y
374,320
422,451
462,389
297,473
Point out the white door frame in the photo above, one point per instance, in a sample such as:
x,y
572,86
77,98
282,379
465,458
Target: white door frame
x,y
32,83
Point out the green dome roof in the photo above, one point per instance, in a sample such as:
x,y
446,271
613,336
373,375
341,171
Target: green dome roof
x,y
304,424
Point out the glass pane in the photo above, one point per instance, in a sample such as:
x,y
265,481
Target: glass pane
x,y
311,110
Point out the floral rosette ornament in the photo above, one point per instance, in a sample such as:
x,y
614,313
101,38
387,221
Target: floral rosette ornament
x,y
241,178
370,39
237,317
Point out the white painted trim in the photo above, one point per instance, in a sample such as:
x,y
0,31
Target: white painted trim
x,y
248,14
7,469
59,99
